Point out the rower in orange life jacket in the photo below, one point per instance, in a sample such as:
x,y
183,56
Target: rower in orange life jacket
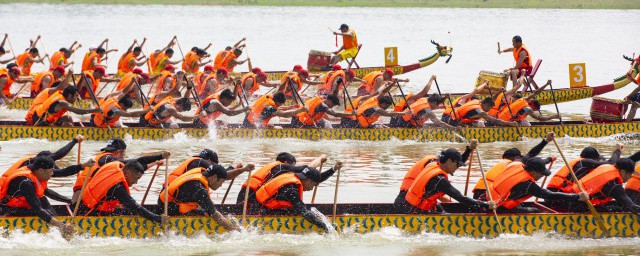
x,y
93,79
45,79
318,108
230,60
517,183
193,61
93,59
604,186
265,108
189,193
129,60
221,56
167,80
26,60
508,156
521,56
111,111
295,80
216,105
251,82
107,192
633,184
57,87
473,113
373,81
198,80
369,110
212,82
166,110
22,192
61,57
589,159
520,108
283,194
284,163
432,183
7,78
52,110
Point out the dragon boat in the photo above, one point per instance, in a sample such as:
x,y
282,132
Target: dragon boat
x,y
11,130
352,218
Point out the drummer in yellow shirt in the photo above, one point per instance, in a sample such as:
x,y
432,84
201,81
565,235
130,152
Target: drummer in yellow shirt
x,y
349,47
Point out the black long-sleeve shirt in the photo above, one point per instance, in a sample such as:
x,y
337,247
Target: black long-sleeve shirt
x,y
535,151
120,193
195,192
616,191
23,186
530,188
144,160
59,154
290,193
440,183
584,166
67,171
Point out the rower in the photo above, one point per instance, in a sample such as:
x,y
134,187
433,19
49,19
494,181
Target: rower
x,y
127,84
163,112
112,152
45,79
107,193
57,87
93,78
217,62
200,76
51,111
251,82
94,57
131,58
22,193
61,57
229,60
167,80
508,156
285,162
349,48
57,155
517,183
521,56
421,105
159,59
520,108
589,160
295,80
214,106
370,108
318,107
193,61
26,60
112,109
418,168
7,78
267,107
4,51
282,195
212,82
204,159
472,112
502,97
375,80
189,193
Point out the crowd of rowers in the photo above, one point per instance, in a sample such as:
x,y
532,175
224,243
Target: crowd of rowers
x,y
214,90
277,188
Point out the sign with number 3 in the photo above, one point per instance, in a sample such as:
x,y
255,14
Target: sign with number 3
x,y
577,75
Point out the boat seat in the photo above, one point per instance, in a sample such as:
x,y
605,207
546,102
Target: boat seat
x,y
352,61
529,78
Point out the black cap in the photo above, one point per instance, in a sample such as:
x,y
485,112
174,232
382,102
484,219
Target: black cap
x,y
311,174
536,164
209,154
453,154
41,162
114,144
627,165
217,170
590,152
511,153
344,26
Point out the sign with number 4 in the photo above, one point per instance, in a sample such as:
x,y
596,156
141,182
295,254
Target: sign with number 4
x,y
577,75
390,56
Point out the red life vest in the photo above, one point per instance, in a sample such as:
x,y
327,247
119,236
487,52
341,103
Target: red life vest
x,y
416,193
266,195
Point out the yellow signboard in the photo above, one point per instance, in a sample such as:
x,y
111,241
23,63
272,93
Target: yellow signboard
x,y
390,56
577,75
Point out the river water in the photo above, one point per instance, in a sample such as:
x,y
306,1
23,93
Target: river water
x,y
281,37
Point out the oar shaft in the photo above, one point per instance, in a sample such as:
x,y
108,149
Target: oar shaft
x,y
144,198
227,193
79,150
486,184
555,102
166,187
315,189
246,198
544,180
466,184
335,196
84,185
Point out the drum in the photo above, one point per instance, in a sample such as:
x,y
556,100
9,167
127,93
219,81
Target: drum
x,y
496,80
318,60
604,110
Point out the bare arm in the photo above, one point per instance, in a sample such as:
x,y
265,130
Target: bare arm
x,y
383,112
290,113
4,40
432,116
79,111
332,112
424,91
136,113
540,117
130,49
103,42
538,91
217,106
497,121
3,83
173,112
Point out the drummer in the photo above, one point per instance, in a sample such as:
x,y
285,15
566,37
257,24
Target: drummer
x,y
521,56
349,47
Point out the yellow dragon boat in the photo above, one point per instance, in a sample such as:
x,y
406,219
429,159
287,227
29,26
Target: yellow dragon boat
x,y
354,218
11,130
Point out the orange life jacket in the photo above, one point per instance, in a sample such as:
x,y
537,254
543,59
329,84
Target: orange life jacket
x,y
258,106
126,80
492,174
634,182
125,64
416,192
296,81
596,179
182,168
561,180
210,117
96,190
217,62
164,75
287,74
104,119
266,195
514,114
158,109
174,187
331,78
367,105
24,63
311,117
350,42
369,82
18,164
36,86
349,109
500,189
92,81
448,110
199,78
190,63
254,87
43,109
7,87
90,170
463,110
57,59
416,107
20,201
37,101
158,62
87,64
498,105
259,178
414,171
226,61
526,64
204,88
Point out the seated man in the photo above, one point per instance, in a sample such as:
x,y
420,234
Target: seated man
x,y
168,108
214,106
589,159
472,113
51,111
520,108
521,56
370,108
267,107
282,195
189,193
318,108
112,109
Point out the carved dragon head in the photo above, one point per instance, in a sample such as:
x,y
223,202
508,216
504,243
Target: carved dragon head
x,y
443,50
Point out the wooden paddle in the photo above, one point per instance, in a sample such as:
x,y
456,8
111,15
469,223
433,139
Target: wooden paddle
x,y
228,189
315,189
544,180
466,184
296,97
246,198
504,98
248,58
144,98
12,51
79,150
453,110
486,184
179,48
45,50
166,191
335,196
95,100
592,209
144,198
